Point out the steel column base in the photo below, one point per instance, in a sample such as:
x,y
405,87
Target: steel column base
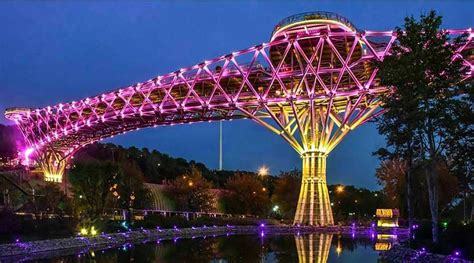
x,y
314,206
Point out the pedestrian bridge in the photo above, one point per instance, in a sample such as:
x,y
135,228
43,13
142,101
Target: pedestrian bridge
x,y
312,84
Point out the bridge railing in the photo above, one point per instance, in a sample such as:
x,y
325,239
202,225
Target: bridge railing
x,y
313,15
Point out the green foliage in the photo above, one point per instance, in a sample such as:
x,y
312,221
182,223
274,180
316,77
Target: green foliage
x,y
52,200
156,167
26,228
130,186
423,111
454,235
8,222
354,204
286,193
192,192
107,176
246,195
11,141
91,182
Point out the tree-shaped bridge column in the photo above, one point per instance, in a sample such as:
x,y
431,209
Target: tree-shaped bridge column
x,y
53,164
313,203
314,129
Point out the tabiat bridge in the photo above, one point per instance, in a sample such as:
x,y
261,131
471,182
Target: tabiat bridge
x,y
313,83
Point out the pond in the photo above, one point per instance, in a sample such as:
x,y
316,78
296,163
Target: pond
x,y
244,248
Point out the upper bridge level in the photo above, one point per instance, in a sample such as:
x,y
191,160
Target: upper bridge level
x,y
316,57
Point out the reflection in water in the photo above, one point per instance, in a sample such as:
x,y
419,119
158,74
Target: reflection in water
x,y
313,247
240,248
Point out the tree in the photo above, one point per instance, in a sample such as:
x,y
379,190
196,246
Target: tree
x,y
247,195
192,192
461,146
286,192
11,141
350,203
50,198
91,181
428,82
391,176
130,186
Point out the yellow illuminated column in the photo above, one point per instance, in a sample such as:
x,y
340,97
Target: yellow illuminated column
x,y
313,247
53,165
313,205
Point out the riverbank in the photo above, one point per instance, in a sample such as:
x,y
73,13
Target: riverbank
x,y
77,245
400,253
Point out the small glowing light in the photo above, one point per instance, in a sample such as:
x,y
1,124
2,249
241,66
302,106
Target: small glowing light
x,y
190,183
275,208
263,171
56,178
27,154
84,231
338,250
93,231
340,189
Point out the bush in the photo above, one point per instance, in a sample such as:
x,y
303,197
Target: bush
x,y
455,236
14,227
8,223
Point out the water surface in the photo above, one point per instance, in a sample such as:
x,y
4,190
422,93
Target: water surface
x,y
242,248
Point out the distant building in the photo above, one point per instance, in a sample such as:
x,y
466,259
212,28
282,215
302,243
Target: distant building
x,y
387,217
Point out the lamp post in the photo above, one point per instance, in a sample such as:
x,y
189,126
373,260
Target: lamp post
x,y
263,171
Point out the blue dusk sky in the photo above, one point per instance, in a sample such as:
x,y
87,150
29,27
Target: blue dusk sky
x,y
53,52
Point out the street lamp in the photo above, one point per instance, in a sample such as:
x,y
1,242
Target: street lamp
x,y
263,171
340,189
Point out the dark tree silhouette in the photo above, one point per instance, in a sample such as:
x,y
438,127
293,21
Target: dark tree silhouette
x,y
421,110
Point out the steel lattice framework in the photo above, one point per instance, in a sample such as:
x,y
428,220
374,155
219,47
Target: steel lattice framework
x,y
312,84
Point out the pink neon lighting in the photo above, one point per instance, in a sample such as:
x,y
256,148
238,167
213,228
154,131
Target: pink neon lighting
x,y
26,155
234,86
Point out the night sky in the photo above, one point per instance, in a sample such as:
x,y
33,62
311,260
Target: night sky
x,y
52,52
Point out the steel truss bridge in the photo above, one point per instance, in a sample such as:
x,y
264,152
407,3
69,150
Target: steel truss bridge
x,y
312,84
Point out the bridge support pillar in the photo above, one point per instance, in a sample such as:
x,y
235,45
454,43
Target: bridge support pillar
x,y
53,164
314,207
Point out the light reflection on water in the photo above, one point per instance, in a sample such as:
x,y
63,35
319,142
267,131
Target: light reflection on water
x,y
242,248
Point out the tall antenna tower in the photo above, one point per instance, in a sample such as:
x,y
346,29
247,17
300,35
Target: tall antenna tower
x,y
220,146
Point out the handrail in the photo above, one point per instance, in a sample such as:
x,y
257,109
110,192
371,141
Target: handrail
x,y
313,15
